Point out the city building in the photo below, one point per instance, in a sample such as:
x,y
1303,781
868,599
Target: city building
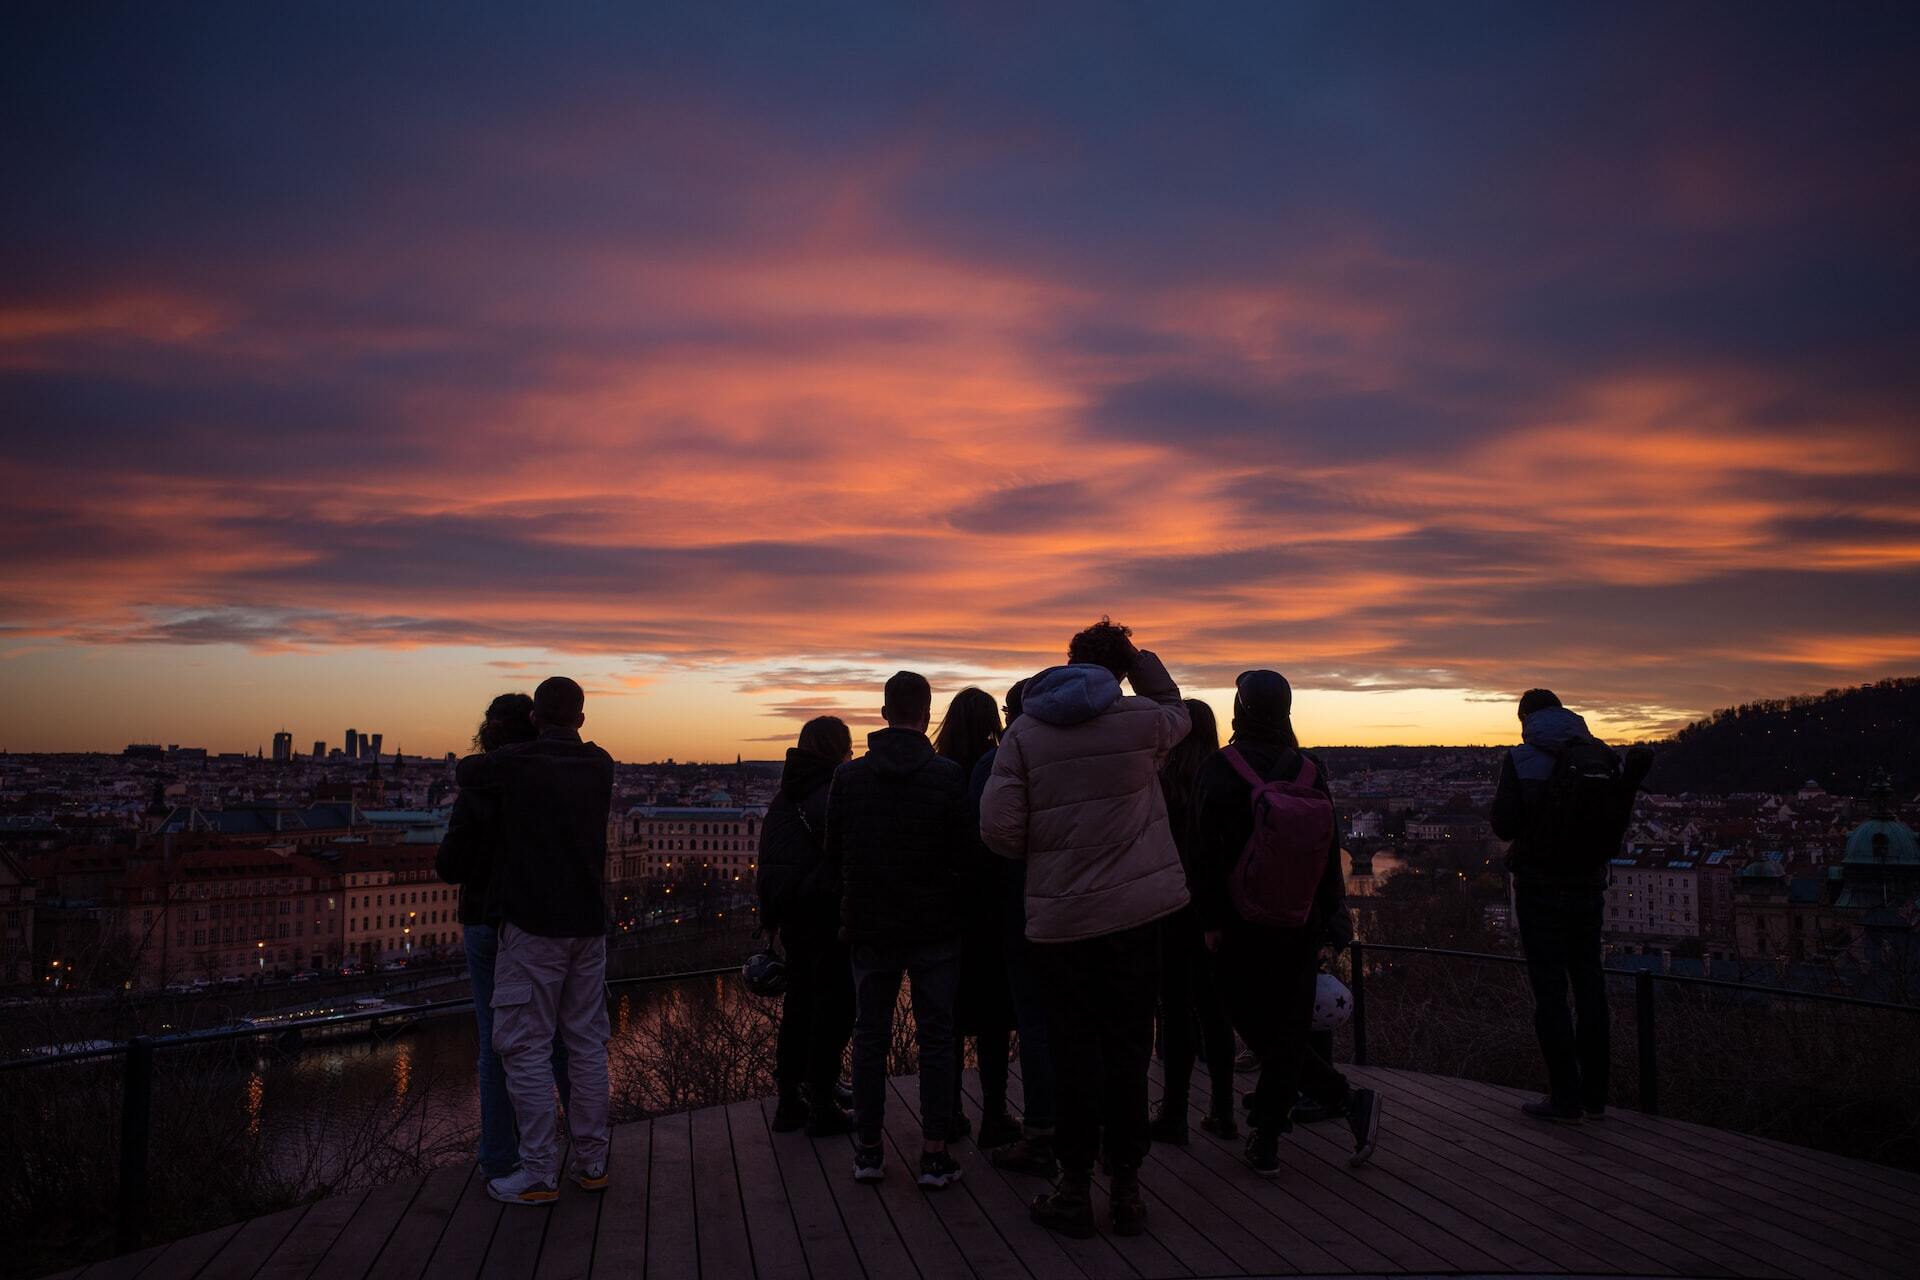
x,y
396,908
720,843
351,749
230,912
1654,896
282,747
16,924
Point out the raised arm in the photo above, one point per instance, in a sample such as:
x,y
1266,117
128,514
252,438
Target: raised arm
x,y
1003,805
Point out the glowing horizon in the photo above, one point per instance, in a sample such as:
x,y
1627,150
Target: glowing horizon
x,y
354,368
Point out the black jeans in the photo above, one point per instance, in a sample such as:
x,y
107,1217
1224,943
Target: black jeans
x,y
1269,977
1560,932
934,970
1193,1016
816,1017
1100,998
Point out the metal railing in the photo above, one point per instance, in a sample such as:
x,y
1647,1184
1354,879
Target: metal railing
x,y
136,1093
1646,1045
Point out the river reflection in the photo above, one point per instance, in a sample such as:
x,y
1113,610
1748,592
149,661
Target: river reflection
x,y
326,1111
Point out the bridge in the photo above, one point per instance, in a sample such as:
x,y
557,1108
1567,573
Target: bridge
x,y
1462,1185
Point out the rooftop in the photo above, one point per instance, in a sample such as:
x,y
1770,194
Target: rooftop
x,y
1461,1184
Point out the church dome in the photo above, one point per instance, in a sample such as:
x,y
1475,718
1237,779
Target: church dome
x,y
1883,840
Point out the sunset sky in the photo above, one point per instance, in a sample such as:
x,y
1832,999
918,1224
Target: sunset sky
x,y
360,361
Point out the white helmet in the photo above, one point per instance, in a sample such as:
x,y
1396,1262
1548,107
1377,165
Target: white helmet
x,y
1332,1003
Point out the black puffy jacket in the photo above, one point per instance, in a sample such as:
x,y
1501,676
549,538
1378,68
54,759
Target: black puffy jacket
x,y
898,830
551,854
470,847
799,888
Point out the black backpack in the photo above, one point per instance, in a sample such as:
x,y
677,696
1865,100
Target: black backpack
x,y
1582,824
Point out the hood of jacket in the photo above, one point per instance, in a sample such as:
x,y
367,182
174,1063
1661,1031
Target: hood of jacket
x,y
1070,695
1552,729
898,753
804,774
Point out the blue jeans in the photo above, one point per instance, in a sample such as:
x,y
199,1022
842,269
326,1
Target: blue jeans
x,y
499,1135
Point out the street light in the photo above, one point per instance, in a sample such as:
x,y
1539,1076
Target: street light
x,y
260,950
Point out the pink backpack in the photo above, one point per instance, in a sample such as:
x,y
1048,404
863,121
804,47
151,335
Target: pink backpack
x,y
1274,882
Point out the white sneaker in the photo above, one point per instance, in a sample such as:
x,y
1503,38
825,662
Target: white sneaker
x,y
521,1187
590,1177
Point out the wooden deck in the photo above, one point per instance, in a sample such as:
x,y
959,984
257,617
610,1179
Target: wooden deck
x,y
1461,1185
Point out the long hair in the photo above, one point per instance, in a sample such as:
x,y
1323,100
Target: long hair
x,y
970,728
509,718
827,737
1202,740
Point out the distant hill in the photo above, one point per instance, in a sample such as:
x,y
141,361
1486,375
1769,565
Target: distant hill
x,y
1838,738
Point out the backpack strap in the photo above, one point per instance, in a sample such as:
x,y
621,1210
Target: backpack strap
x,y
1240,766
1308,775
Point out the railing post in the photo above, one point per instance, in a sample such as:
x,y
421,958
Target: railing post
x,y
1358,953
136,1110
1649,1053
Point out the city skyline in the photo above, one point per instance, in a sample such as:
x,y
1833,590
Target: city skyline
x,y
354,369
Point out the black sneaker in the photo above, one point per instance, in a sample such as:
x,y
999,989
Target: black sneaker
x,y
1263,1152
869,1162
1363,1118
828,1122
1220,1126
1593,1113
1169,1126
997,1130
1033,1155
791,1114
1307,1111
938,1168
1068,1208
1548,1109
1129,1208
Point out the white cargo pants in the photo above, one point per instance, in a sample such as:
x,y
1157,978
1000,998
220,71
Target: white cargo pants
x,y
540,985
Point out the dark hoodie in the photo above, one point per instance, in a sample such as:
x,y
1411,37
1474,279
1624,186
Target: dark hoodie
x,y
1520,802
799,888
899,829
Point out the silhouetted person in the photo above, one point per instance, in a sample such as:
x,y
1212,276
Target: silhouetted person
x,y
1192,1014
1075,791
800,905
1564,800
1267,881
1033,1151
551,970
466,858
897,830
984,1007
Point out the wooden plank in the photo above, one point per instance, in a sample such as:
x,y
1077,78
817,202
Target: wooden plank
x,y
943,1229
620,1237
721,1221
405,1252
816,1216
308,1243
463,1245
1303,1198
185,1259
772,1232
869,1226
1004,1198
124,1267
252,1245
566,1251
1635,1212
1570,1148
673,1244
515,1249
1724,1210
1688,1158
367,1232
1592,1232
